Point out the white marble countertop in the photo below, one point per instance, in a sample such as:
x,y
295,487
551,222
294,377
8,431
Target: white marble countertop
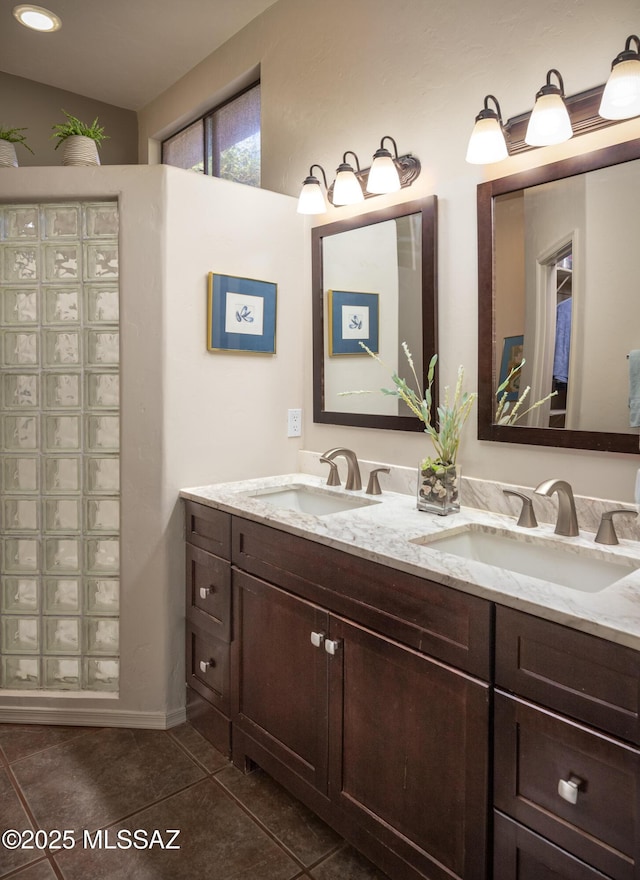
x,y
383,532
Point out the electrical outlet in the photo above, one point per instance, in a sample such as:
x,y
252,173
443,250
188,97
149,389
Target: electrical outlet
x,y
294,423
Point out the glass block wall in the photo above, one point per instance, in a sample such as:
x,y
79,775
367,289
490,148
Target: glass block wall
x,y
59,447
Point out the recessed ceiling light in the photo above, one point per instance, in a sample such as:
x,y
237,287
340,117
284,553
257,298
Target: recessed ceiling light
x,y
37,18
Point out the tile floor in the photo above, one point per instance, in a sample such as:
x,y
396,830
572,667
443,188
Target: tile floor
x,y
232,826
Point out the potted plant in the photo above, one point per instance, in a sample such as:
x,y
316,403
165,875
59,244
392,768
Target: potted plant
x,y
9,137
439,474
80,141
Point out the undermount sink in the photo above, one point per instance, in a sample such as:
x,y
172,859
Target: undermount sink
x,y
576,567
309,499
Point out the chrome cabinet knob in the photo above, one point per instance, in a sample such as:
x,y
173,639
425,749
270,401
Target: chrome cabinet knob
x,y
317,639
205,592
568,789
205,665
331,646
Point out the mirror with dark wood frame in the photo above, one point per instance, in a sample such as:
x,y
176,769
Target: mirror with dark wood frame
x,y
384,264
558,269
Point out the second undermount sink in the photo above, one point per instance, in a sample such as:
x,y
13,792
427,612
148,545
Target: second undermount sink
x,y
310,499
576,567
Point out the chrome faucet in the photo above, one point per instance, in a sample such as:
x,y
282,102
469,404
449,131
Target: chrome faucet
x,y
353,470
567,522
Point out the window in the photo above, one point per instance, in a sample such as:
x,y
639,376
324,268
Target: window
x,y
224,142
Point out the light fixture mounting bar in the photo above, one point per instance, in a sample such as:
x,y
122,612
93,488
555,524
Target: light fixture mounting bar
x,y
409,169
583,112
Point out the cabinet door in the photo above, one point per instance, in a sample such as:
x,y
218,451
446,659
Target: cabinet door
x,y
409,752
208,600
572,785
522,855
280,678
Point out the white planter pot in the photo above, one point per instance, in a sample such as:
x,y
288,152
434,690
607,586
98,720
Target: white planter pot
x,y
79,150
8,158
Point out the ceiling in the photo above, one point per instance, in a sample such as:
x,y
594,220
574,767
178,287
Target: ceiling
x,y
122,52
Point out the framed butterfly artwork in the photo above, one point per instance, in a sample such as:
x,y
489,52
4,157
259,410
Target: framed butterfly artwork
x,y
241,314
353,318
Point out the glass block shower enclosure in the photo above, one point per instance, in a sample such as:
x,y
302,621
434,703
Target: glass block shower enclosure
x,y
59,447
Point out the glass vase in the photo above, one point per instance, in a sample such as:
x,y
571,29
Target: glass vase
x,y
438,488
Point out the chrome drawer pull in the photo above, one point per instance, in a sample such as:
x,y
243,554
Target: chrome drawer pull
x,y
205,665
205,592
568,789
317,639
331,646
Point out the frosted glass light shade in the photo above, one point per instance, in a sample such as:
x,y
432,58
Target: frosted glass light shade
x,y
549,122
621,96
347,189
383,176
311,199
487,143
37,18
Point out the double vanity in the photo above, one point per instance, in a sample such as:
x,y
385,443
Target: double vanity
x,y
457,696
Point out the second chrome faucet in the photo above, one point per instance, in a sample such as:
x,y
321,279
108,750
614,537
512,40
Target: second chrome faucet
x,y
567,522
353,470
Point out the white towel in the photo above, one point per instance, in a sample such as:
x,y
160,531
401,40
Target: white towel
x,y
634,388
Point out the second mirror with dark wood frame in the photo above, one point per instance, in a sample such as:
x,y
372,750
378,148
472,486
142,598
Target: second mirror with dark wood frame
x,y
374,280
558,243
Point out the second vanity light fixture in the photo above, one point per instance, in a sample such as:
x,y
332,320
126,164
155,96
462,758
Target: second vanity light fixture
x,y
388,173
550,121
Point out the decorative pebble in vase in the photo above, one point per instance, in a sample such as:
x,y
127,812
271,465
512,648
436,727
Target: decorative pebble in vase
x,y
438,487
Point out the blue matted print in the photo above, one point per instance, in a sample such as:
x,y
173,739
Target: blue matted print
x,y
512,350
241,314
353,318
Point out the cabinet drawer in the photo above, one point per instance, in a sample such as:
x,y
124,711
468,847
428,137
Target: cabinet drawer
x,y
580,675
207,665
209,592
208,528
519,854
447,624
536,752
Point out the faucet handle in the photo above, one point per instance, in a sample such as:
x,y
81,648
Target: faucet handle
x,y
606,530
373,486
527,518
334,478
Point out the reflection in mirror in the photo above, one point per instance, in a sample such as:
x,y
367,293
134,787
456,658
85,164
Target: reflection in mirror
x,y
558,268
373,282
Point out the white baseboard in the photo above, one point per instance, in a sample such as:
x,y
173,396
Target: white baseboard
x,y
91,717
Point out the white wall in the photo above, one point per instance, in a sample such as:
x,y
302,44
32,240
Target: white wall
x,y
188,417
612,295
38,107
366,261
339,76
554,215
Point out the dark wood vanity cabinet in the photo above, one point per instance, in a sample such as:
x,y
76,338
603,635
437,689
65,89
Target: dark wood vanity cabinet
x,y
399,710
208,622
386,742
567,764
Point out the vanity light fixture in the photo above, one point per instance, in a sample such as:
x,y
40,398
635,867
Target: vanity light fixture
x,y
347,189
383,175
37,18
549,122
311,199
487,142
387,174
621,97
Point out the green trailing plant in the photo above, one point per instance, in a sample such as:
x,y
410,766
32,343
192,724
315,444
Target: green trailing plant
x,y
15,136
451,414
504,414
74,127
